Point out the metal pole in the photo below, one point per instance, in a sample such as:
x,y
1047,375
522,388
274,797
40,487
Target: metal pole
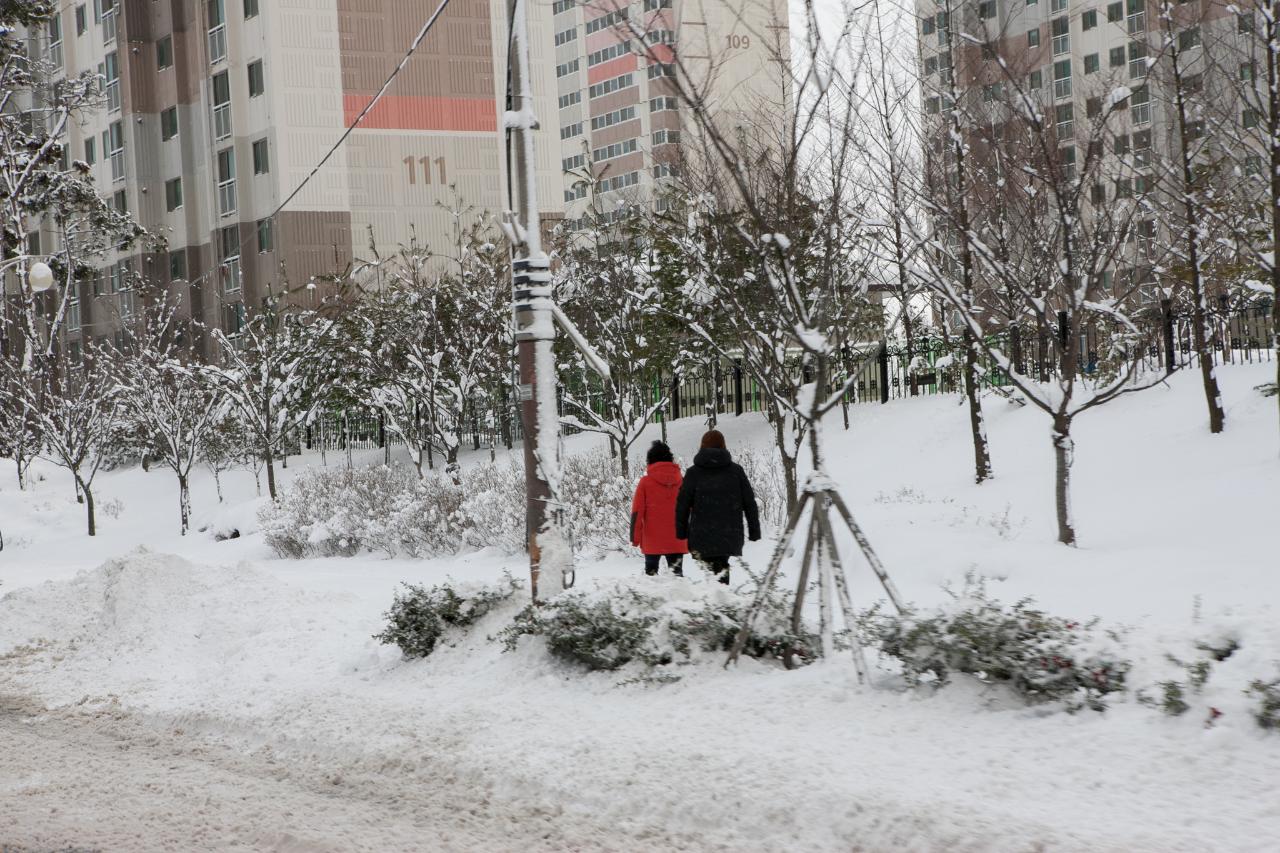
x,y
534,323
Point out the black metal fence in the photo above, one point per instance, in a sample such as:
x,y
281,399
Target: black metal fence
x,y
879,373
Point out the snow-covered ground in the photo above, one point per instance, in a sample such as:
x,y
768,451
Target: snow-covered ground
x,y
203,694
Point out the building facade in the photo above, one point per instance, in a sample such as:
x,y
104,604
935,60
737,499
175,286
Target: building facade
x,y
218,110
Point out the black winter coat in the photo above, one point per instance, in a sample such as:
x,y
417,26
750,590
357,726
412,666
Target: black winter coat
x,y
713,499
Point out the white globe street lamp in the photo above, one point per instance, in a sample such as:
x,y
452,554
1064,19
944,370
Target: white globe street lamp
x,y
40,277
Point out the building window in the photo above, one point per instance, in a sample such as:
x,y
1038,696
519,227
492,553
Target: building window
x,y
1036,81
988,51
1247,72
616,150
604,54
666,137
1089,19
1091,63
1117,57
221,106
566,36
561,6
930,65
250,9
661,69
113,139
90,151
226,181
173,194
54,28
217,21
257,84
1067,157
1189,38
570,99
1061,30
261,158
1137,10
1062,79
229,248
110,69
177,265
567,68
617,16
1249,118
1115,13
1057,6
658,105
1033,37
1137,59
266,237
1141,102
654,5
577,161
1244,22
926,26
986,9
164,53
73,317
612,118
121,201
578,191
1253,164
169,123
81,25
1064,120
1098,194
571,130
1093,107
615,84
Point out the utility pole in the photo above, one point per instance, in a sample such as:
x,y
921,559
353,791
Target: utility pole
x,y
535,317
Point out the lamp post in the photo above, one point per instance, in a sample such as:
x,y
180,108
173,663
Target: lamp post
x,y
40,277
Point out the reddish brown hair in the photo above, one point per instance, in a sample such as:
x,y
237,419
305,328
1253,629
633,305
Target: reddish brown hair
x,y
713,438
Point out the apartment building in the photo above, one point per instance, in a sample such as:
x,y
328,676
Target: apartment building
x,y
619,121
1102,71
217,110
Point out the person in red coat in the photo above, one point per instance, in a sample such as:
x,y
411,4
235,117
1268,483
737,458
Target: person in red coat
x,y
653,512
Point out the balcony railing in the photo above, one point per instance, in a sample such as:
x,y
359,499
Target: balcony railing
x,y
221,122
117,165
218,43
108,25
227,197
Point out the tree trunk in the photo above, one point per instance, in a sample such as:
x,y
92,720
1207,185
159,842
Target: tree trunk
x,y
271,475
184,503
1064,455
88,507
217,483
788,463
977,427
624,463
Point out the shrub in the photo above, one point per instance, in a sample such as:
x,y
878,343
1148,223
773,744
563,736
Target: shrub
x,y
1267,712
419,617
606,629
1173,693
1041,658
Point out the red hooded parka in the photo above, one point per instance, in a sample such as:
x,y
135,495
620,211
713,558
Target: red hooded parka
x,y
653,511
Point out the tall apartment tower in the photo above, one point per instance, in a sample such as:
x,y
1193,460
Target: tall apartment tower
x,y
619,120
218,110
1103,72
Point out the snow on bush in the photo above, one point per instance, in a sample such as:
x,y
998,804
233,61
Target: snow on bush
x,y
1266,696
342,512
610,627
419,617
1041,658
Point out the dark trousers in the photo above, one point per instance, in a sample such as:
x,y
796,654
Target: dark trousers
x,y
675,561
718,566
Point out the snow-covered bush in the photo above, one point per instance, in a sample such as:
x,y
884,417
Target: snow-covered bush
x,y
763,468
1266,711
340,512
598,499
1173,693
419,617
608,628
493,506
1041,658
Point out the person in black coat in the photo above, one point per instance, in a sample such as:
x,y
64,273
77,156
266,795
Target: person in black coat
x,y
713,499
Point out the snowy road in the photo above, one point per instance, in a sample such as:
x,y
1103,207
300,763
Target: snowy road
x,y
106,780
